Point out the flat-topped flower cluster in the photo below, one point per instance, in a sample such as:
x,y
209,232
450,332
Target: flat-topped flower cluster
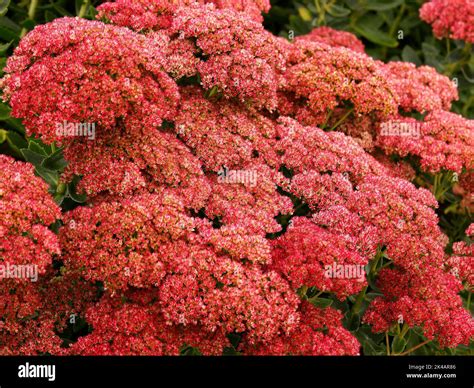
x,y
166,254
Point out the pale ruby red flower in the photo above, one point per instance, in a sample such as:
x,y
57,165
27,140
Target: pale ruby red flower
x,y
180,243
421,88
335,38
450,18
26,212
443,141
79,71
320,333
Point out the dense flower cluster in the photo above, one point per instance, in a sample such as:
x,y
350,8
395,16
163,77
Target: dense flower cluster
x,y
146,15
320,78
444,140
450,18
136,327
320,333
26,211
305,251
461,264
236,55
421,88
414,300
129,232
124,165
78,71
334,38
232,174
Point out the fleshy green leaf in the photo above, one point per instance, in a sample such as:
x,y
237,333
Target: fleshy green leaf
x,y
32,157
4,7
320,302
374,35
55,161
51,177
382,5
398,345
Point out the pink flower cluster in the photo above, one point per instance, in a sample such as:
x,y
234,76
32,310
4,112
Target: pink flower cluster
x,y
26,212
421,88
207,143
415,300
146,15
445,141
335,38
320,334
78,71
320,78
305,251
135,326
236,55
450,18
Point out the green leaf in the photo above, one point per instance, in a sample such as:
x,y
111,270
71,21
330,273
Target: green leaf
x,y
304,13
382,5
61,10
320,302
371,343
374,35
398,345
32,157
212,91
3,135
16,142
35,146
429,49
4,7
55,161
456,55
49,16
351,321
4,47
51,177
338,11
4,111
9,30
189,351
234,339
410,55
71,191
28,24
409,22
16,124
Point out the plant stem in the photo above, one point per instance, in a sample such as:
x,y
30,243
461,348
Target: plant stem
x,y
398,19
83,9
405,329
341,120
414,348
387,342
31,15
377,258
358,302
394,26
328,116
